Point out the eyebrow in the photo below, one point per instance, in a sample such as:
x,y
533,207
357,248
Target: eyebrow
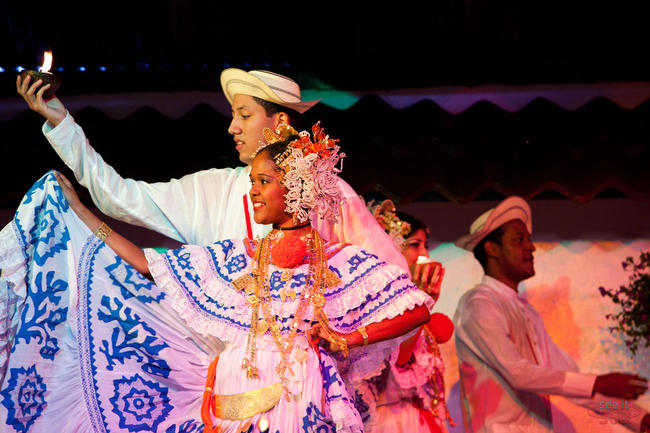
x,y
261,174
241,107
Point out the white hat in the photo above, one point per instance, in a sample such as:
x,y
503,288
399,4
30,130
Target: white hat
x,y
265,85
509,209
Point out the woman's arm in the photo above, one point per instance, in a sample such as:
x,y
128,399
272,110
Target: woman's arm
x,y
390,328
407,347
124,248
376,332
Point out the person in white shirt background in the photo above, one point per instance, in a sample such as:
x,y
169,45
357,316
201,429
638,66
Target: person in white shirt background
x,y
508,363
213,204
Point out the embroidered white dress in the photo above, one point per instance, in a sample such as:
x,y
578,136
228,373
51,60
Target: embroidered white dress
x,y
408,398
88,344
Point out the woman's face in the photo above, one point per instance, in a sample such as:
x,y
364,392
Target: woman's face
x,y
416,245
267,193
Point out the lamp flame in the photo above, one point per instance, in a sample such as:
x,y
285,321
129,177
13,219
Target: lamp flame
x,y
47,62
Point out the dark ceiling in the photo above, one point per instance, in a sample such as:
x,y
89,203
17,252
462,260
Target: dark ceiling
x,y
542,150
420,153
359,45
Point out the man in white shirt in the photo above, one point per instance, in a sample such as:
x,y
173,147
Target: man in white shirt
x,y
508,363
203,207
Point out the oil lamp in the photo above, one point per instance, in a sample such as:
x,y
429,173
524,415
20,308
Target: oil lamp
x,y
44,74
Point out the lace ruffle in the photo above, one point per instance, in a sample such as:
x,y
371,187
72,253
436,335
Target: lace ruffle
x,y
417,373
370,291
196,318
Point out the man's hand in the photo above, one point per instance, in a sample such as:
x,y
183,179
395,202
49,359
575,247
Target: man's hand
x,y
53,110
621,385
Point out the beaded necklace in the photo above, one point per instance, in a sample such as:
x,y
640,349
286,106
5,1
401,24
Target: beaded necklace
x,y
259,298
432,344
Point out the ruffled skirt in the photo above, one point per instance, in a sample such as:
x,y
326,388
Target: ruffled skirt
x,y
87,344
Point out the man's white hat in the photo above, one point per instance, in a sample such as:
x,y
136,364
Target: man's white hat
x,y
511,208
265,85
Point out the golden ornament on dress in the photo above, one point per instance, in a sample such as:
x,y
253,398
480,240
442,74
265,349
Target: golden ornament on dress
x,y
247,404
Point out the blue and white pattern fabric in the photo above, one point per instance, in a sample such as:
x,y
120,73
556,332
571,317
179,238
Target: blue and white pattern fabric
x,y
87,344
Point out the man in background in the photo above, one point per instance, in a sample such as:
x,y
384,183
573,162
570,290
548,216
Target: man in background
x,y
508,363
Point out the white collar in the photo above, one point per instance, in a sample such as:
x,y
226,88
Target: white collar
x,y
500,287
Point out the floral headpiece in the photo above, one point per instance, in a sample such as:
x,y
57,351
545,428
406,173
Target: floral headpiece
x,y
310,172
385,215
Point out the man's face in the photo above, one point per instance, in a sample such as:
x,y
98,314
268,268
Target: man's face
x,y
248,121
515,255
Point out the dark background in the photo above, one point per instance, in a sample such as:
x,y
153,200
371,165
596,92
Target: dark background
x,y
420,153
354,45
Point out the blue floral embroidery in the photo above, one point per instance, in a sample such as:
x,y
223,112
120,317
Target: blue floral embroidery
x,y
50,348
298,280
356,260
38,186
35,321
132,283
189,426
49,180
183,258
184,261
223,261
23,398
47,235
275,281
330,377
141,405
315,422
132,339
227,247
48,240
236,264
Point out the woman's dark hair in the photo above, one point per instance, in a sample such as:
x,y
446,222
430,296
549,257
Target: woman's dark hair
x,y
415,223
479,250
296,119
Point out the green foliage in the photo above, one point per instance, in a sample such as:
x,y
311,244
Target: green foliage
x,y
632,321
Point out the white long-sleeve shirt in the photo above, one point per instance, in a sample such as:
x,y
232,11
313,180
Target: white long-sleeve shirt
x,y
509,365
202,207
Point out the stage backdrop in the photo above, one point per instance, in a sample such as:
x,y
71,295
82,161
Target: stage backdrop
x,y
565,292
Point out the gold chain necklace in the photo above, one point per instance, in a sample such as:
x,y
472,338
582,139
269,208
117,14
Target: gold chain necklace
x,y
313,291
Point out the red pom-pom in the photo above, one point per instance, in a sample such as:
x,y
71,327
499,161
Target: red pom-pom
x,y
289,252
441,327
